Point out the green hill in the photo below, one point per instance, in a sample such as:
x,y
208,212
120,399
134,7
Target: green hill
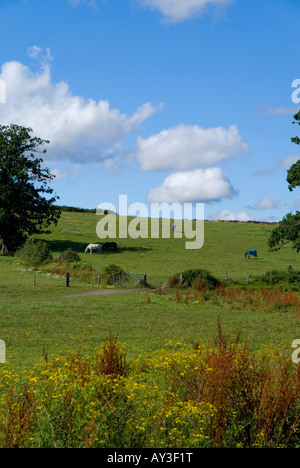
x,y
222,253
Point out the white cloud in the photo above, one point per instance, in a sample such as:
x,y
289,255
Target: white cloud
x,y
287,162
66,172
276,111
79,129
207,185
228,215
263,172
265,204
36,52
189,147
176,11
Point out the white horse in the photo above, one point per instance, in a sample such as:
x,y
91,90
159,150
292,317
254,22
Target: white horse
x,y
92,247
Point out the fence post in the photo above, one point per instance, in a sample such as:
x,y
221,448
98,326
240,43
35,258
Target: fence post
x,y
180,278
145,279
247,277
98,281
68,280
34,281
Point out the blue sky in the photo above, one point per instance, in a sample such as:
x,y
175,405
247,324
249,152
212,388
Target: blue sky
x,y
162,100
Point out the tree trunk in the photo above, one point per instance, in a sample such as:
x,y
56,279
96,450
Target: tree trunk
x,y
4,250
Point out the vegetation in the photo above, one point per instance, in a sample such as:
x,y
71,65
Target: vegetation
x,y
197,397
176,378
34,253
289,229
69,256
198,277
110,271
26,208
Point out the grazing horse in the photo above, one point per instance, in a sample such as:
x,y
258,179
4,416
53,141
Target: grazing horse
x,y
250,252
107,245
92,247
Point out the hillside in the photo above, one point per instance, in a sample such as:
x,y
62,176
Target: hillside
x,y
222,253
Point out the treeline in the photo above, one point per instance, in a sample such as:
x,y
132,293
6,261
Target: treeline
x,y
75,209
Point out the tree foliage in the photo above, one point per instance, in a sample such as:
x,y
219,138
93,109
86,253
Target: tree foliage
x,y
289,228
26,200
287,231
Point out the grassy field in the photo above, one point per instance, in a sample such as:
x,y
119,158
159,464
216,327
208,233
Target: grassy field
x,y
167,382
31,320
223,250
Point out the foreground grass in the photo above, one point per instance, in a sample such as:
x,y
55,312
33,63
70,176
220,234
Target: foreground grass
x,y
144,321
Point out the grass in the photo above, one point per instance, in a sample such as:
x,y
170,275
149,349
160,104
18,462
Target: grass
x,y
223,250
171,384
196,397
31,321
74,324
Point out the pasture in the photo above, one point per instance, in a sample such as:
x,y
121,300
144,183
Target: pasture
x,y
37,318
88,366
223,250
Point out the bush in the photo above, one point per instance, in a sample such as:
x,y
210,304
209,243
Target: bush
x,y
112,270
34,253
289,279
69,256
199,278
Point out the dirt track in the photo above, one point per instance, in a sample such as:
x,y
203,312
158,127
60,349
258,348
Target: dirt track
x,y
101,292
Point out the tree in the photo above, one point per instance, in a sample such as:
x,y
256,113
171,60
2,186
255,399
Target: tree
x,y
289,228
293,175
26,201
287,231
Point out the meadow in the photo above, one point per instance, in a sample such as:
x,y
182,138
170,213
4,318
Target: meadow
x,y
53,392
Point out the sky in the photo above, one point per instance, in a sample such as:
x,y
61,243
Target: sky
x,y
177,101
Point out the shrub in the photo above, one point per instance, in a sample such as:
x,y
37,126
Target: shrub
x,y
34,253
198,278
112,270
69,256
112,360
289,279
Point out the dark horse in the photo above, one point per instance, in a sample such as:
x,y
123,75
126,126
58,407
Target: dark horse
x,y
248,253
108,245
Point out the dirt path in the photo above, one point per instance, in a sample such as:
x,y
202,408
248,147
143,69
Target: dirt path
x,y
101,292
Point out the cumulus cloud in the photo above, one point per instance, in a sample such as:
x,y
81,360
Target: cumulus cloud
x,y
66,172
189,147
228,215
79,129
287,162
207,185
265,204
177,11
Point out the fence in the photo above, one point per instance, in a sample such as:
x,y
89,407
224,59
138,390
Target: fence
x,y
128,280
157,281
